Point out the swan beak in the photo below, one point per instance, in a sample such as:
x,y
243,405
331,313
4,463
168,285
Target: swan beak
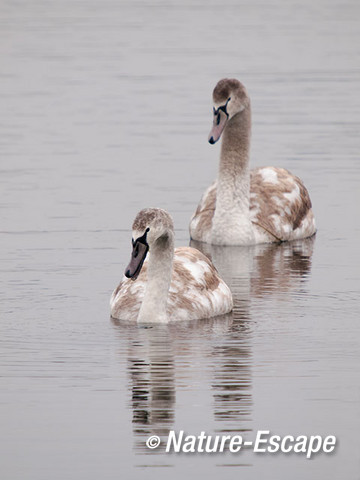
x,y
138,256
220,120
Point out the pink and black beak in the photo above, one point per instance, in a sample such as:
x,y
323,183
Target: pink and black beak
x,y
221,117
138,255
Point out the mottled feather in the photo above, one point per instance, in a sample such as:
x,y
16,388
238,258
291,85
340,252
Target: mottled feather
x,y
280,207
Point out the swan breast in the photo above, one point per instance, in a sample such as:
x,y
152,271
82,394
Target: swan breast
x,y
196,290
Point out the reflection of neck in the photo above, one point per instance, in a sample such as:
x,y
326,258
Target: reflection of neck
x,y
231,222
161,254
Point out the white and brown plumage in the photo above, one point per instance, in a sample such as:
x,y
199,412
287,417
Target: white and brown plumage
x,y
244,207
170,285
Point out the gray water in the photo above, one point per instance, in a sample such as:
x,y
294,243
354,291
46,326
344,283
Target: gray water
x,y
105,109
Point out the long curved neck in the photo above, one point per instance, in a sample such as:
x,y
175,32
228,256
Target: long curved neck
x,y
231,222
159,271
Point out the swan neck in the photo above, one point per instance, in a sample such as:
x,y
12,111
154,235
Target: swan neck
x,y
231,223
159,271
235,147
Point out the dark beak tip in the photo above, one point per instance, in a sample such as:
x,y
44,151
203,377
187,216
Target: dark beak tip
x,y
211,140
127,274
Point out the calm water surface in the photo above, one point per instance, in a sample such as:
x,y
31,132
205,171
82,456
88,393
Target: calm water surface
x,y
105,109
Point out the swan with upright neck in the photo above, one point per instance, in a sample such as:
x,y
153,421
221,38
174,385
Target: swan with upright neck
x,y
243,207
163,284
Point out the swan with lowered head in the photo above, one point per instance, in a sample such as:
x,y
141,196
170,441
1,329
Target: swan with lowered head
x,y
244,207
180,284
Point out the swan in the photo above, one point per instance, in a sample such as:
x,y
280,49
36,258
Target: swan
x,y
244,207
180,284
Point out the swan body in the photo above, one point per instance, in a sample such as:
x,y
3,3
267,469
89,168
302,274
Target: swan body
x,y
167,284
243,207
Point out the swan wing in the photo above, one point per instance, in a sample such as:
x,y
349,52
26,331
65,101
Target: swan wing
x,y
280,204
196,290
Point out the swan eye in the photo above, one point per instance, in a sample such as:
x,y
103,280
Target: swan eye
x,y
218,119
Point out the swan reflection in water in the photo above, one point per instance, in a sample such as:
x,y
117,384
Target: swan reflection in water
x,y
165,359
259,270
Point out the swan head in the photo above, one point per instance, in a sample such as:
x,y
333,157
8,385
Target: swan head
x,y
230,98
150,226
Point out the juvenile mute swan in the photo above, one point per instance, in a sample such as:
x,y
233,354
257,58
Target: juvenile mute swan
x,y
180,284
244,207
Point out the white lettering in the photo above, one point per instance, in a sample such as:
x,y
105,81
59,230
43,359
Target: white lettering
x,y
201,438
311,442
235,444
275,442
223,441
172,439
300,445
289,438
331,441
189,444
260,440
263,443
214,447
